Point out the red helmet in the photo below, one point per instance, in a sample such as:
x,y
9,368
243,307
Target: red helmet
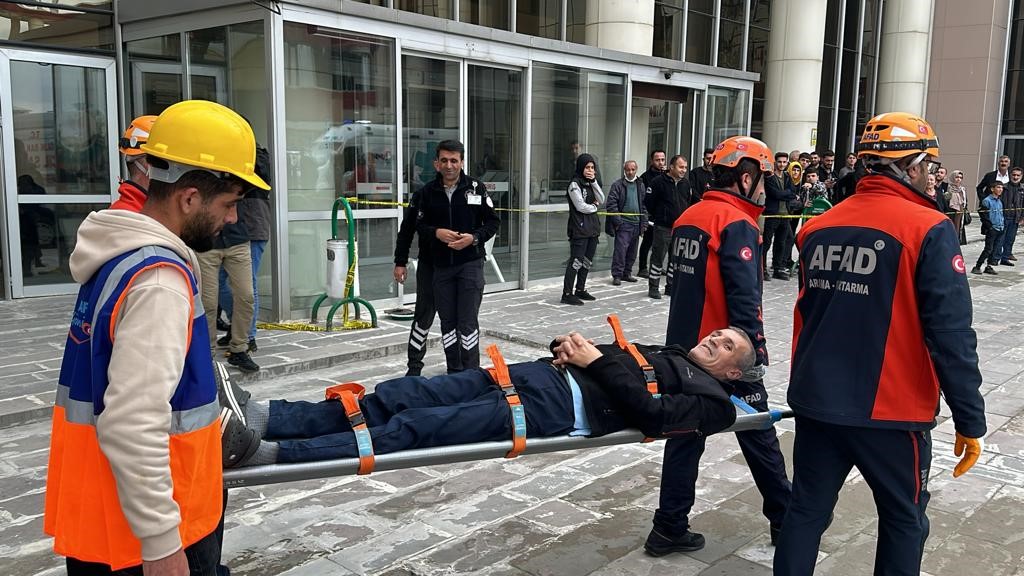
x,y
732,150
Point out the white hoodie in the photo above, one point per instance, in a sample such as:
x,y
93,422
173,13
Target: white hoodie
x,y
146,364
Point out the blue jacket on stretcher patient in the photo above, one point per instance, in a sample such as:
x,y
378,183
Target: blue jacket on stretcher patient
x,y
583,389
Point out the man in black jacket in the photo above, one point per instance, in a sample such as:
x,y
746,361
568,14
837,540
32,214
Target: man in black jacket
x,y
776,229
458,217
657,167
423,316
669,195
1000,174
405,413
700,178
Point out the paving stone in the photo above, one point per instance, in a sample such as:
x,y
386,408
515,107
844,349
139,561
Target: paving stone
x,y
963,554
736,566
619,489
370,556
559,516
1000,521
587,548
637,563
727,527
483,549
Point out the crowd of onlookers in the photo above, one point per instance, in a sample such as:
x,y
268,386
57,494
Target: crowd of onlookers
x,y
642,208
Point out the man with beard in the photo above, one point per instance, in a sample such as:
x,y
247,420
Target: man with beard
x,y
657,167
137,398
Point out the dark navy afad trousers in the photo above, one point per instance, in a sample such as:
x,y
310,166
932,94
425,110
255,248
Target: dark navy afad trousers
x,y
895,466
416,412
682,460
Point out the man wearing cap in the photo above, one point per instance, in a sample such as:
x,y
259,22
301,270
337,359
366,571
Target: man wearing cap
x,y
882,269
134,475
132,192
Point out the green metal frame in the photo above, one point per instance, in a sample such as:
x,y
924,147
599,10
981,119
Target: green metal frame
x,y
350,297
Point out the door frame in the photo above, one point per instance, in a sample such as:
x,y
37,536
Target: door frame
x,y
12,236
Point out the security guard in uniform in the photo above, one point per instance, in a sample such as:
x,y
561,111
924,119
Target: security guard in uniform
x,y
716,255
881,327
423,316
458,217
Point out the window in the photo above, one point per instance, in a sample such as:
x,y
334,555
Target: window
x,y
59,24
757,58
574,111
576,27
490,13
700,22
539,18
436,8
726,114
340,141
730,33
154,71
668,29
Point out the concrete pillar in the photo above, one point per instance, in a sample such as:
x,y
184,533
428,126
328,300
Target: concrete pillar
x,y
793,73
904,60
624,25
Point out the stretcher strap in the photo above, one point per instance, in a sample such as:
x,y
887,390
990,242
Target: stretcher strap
x,y
649,377
499,373
349,394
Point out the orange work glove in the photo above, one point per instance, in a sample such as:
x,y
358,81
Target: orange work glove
x,y
970,449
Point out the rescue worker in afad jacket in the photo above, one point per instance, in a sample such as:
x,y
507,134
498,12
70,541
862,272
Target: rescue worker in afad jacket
x,y
134,477
715,252
882,270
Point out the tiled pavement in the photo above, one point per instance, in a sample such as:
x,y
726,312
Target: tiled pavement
x,y
567,513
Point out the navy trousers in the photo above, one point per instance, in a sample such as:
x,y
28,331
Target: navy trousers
x,y
416,412
458,291
895,466
423,317
682,460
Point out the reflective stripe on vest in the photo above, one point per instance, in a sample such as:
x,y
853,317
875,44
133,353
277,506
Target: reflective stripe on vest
x,y
83,512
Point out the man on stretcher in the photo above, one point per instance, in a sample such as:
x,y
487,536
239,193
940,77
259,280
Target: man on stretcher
x,y
582,390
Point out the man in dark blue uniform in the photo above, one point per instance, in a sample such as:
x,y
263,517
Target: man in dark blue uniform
x,y
423,317
716,254
883,270
457,216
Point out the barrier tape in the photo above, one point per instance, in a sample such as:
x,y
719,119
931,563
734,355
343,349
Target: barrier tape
x,y
392,204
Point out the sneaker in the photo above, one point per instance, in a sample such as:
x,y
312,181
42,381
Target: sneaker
x,y
616,282
976,270
990,270
571,299
1011,258
1006,263
243,362
628,278
237,442
659,545
224,341
584,295
229,394
781,275
654,293
252,345
223,326
642,273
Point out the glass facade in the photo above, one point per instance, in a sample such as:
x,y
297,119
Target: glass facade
x,y
700,29
341,141
732,15
669,22
539,18
1013,101
490,13
66,24
757,57
574,111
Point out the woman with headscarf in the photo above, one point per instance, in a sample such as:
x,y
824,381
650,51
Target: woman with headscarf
x,y
584,229
957,201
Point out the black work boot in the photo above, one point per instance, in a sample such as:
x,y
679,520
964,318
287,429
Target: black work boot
x,y
658,544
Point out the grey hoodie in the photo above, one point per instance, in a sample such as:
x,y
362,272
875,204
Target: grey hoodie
x,y
151,338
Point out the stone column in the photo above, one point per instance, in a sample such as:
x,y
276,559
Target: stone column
x,y
793,73
904,59
624,25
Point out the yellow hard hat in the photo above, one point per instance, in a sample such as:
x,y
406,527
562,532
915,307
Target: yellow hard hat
x,y
205,135
135,136
894,135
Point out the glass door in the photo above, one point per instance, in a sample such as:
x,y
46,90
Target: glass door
x,y
59,129
494,144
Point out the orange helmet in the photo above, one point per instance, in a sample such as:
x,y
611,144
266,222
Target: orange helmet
x,y
136,135
894,135
732,150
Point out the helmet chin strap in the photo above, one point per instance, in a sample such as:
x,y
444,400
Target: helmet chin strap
x,y
746,193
